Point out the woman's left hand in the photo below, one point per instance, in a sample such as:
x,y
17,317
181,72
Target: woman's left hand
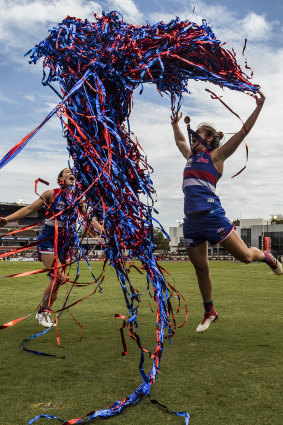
x,y
260,100
175,117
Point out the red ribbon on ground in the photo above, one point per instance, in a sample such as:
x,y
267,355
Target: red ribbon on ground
x,y
13,322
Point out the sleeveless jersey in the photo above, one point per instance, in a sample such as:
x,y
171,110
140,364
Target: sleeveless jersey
x,y
57,204
199,184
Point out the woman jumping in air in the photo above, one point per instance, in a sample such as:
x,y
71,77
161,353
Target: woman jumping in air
x,y
59,218
205,219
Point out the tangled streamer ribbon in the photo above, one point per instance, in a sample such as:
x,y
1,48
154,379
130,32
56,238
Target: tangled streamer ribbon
x,y
94,67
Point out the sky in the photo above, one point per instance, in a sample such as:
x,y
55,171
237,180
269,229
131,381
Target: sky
x,y
24,102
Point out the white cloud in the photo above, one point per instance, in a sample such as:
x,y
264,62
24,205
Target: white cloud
x,y
39,11
6,99
127,8
215,14
256,27
25,19
30,97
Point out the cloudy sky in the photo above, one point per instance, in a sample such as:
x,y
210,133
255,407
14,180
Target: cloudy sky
x,y
24,103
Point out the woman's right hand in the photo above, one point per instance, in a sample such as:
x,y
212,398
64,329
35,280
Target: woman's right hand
x,y
175,117
3,221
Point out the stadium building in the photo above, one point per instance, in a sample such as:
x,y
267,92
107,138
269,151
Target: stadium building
x,y
21,239
17,240
258,232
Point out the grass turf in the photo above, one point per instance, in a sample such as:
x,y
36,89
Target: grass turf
x,y
232,374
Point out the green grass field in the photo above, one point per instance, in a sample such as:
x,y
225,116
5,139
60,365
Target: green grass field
x,y
232,374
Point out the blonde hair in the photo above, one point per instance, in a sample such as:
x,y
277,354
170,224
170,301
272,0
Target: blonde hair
x,y
217,136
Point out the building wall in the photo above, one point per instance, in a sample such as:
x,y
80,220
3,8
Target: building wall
x,y
248,222
176,236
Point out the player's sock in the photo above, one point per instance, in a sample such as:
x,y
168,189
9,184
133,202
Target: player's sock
x,y
41,309
208,307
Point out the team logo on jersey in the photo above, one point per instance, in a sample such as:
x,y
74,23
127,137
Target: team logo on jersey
x,y
62,205
205,160
220,231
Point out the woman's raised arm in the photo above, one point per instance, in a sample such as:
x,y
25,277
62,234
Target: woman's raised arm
x,y
179,136
25,211
226,150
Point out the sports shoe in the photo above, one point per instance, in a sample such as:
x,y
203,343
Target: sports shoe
x,y
273,263
44,319
207,319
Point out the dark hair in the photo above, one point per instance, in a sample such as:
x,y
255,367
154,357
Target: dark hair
x,y
60,175
217,136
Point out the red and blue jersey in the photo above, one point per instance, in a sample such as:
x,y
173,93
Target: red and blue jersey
x,y
57,205
199,184
62,210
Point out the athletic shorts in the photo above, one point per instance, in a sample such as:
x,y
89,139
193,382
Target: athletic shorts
x,y
211,226
46,241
